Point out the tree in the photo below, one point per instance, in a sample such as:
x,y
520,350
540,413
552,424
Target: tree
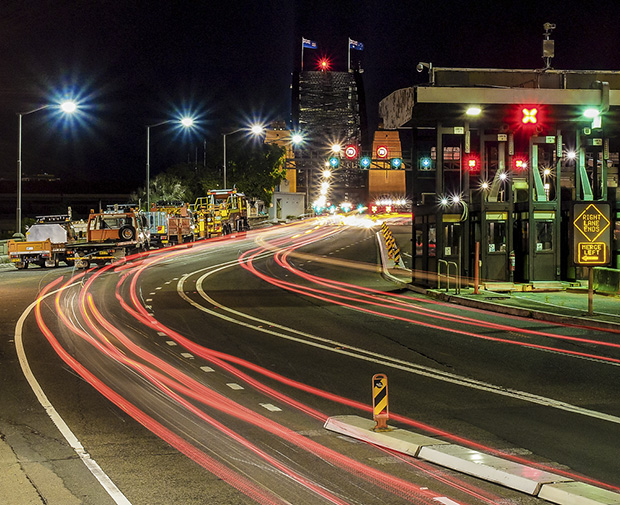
x,y
176,184
257,170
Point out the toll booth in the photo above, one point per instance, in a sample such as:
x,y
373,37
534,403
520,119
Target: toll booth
x,y
500,157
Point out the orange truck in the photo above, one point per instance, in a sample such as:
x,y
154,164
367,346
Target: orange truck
x,y
110,235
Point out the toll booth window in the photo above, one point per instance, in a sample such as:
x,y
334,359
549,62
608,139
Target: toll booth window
x,y
432,240
544,236
452,239
419,244
496,233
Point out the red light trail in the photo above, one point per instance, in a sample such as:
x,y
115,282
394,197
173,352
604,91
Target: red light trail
x,y
110,340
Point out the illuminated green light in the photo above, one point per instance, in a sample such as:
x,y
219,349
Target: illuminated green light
x,y
591,113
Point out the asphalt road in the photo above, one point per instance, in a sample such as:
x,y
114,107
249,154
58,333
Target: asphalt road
x,y
220,363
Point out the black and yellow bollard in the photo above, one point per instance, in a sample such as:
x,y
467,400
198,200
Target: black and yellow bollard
x,y
380,409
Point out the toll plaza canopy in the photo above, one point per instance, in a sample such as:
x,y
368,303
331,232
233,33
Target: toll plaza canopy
x,y
495,89
500,158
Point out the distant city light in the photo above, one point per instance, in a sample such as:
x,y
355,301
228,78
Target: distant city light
x,y
187,122
297,138
327,174
571,155
473,111
336,148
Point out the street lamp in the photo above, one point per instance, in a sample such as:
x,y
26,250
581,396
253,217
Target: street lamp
x,y
68,107
186,122
254,129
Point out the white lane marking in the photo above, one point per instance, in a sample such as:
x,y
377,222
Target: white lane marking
x,y
94,468
171,342
148,300
167,282
363,354
152,293
157,288
445,501
187,355
234,385
161,334
270,407
207,369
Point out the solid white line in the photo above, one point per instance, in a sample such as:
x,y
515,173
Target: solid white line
x,y
66,432
264,326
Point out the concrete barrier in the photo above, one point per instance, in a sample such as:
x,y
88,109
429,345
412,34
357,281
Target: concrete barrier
x,y
527,479
607,280
578,493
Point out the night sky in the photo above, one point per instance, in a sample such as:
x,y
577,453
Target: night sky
x,y
135,63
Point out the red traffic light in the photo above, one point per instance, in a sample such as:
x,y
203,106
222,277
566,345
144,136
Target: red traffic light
x,y
520,163
529,115
472,163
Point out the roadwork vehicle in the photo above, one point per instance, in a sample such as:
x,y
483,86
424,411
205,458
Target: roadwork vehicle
x,y
45,244
110,235
170,225
221,212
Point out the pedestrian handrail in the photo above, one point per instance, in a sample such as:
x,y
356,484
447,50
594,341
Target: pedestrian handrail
x,y
457,278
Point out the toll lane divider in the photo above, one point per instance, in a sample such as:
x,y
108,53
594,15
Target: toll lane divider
x,y
533,481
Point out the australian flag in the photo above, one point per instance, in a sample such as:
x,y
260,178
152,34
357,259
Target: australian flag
x,y
353,44
309,44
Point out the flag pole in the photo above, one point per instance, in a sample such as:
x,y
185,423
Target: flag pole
x,y
349,55
302,54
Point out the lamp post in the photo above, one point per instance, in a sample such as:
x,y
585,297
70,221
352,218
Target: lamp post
x,y
68,107
186,122
255,129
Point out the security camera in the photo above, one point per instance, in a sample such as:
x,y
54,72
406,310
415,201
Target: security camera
x,y
421,66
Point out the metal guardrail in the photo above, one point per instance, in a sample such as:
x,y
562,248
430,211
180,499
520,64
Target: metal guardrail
x,y
457,276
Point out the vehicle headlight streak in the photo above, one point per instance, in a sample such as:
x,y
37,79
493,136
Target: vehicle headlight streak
x,y
174,384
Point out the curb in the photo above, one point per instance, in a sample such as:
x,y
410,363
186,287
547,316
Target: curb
x,y
520,312
487,305
529,480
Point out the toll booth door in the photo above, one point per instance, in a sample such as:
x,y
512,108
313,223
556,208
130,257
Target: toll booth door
x,y
495,262
544,251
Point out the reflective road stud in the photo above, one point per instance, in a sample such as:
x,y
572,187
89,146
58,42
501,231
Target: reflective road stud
x,y
380,402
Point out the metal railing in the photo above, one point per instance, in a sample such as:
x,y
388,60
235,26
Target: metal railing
x,y
457,275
